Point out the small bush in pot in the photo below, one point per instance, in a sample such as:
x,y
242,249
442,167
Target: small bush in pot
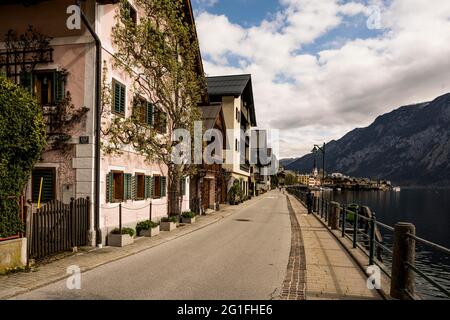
x,y
169,223
129,231
170,219
121,239
188,217
147,228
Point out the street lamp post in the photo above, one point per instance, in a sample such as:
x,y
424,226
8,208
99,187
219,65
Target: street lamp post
x,y
321,149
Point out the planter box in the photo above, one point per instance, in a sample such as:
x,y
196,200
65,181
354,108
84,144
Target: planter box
x,y
149,233
13,253
168,226
120,240
187,220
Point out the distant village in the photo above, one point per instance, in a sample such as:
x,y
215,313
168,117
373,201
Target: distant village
x,y
337,181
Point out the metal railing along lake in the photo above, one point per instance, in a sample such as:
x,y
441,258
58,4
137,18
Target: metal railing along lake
x,y
360,226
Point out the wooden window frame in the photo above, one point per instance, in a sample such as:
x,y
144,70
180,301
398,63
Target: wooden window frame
x,y
157,187
114,173
140,110
50,91
139,176
158,124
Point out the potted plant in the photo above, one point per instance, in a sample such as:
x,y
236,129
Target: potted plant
x,y
233,194
147,228
168,223
120,239
188,217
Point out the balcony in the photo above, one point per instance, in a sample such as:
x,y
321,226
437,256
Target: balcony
x,y
245,167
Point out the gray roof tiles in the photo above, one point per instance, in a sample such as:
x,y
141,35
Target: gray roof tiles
x,y
227,85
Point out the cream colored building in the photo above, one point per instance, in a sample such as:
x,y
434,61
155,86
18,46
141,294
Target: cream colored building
x,y
235,92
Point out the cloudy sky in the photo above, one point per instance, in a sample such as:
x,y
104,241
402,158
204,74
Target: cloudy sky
x,y
323,67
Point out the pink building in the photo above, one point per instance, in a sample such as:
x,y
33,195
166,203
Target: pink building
x,y
65,66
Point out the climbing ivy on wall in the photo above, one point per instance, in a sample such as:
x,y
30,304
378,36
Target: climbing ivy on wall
x,y
22,139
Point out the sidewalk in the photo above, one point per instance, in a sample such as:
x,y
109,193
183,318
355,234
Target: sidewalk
x,y
331,273
17,283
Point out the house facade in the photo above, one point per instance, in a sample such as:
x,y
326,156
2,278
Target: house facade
x,y
60,71
208,188
235,93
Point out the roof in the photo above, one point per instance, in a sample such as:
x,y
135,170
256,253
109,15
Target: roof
x,y
210,114
227,85
233,85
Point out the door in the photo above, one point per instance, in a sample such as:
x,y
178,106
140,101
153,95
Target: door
x,y
205,194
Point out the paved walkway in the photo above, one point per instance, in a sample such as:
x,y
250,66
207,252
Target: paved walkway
x,y
330,271
242,256
90,258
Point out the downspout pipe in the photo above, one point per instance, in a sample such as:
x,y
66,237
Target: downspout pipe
x,y
97,124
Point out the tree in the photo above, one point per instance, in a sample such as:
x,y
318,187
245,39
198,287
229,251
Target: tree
x,y
22,136
290,179
160,54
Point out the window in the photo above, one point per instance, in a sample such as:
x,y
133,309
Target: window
x,y
144,111
236,145
47,175
119,97
159,187
117,186
132,14
156,187
140,186
123,186
47,86
160,120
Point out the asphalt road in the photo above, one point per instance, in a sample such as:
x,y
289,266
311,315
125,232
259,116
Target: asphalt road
x,y
230,259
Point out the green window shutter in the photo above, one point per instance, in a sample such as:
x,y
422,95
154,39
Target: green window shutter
x,y
122,98
26,80
119,98
148,187
59,81
163,187
116,97
127,186
133,187
109,187
183,186
48,185
152,184
149,114
163,122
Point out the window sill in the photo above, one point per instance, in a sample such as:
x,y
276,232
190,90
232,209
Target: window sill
x,y
120,115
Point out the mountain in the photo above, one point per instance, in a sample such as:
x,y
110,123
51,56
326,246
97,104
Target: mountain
x,y
287,161
409,146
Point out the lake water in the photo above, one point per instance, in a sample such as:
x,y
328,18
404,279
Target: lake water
x,y
428,210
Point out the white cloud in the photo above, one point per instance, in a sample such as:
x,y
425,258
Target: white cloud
x,y
315,98
206,3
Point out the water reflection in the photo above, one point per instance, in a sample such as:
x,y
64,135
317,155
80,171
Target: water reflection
x,y
428,210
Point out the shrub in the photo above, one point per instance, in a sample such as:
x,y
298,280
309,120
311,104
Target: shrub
x,y
145,225
129,231
22,136
173,219
188,215
234,194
